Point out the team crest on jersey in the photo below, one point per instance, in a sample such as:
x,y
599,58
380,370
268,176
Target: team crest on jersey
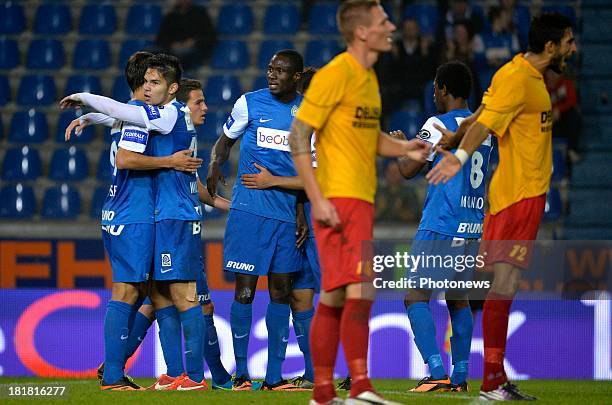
x,y
166,260
294,110
424,134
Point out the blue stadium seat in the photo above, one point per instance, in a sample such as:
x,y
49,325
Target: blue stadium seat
x,y
593,170
212,127
596,24
36,90
62,123
143,19
552,209
52,19
97,201
61,202
230,54
595,59
322,19
12,18
281,19
29,127
104,168
5,90
17,201
98,19
222,89
9,53
566,10
319,52
45,54
589,207
20,164
260,82
409,121
268,48
83,83
68,164
92,54
426,15
595,95
131,46
121,91
559,165
235,19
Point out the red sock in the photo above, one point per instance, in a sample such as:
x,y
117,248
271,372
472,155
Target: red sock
x,y
495,329
354,332
324,340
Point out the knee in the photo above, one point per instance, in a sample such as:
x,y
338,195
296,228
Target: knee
x,y
244,295
281,294
125,293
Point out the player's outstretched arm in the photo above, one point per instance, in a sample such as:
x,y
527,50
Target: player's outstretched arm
x,y
182,161
451,163
79,124
217,201
408,167
218,156
121,111
264,179
414,149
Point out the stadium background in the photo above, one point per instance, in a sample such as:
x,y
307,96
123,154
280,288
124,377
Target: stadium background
x,y
52,266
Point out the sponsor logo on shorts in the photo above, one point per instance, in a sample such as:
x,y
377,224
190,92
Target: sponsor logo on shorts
x,y
469,227
202,298
239,266
166,260
273,139
114,230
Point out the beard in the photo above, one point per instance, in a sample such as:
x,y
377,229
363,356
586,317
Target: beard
x,y
556,64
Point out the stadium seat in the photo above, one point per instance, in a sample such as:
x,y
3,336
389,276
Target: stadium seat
x,y
92,54
21,164
589,207
595,59
12,18
5,90
61,202
552,209
97,201
36,90
52,19
143,19
281,19
596,95
68,164
598,26
121,91
593,170
104,171
235,19
322,19
212,127
29,127
9,53
62,123
45,54
17,201
319,52
268,48
83,83
230,54
222,89
260,82
409,121
131,46
426,15
559,165
98,19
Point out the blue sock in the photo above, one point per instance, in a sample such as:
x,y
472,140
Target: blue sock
x,y
116,334
192,321
241,317
424,331
212,353
301,325
277,321
170,339
462,324
137,333
133,312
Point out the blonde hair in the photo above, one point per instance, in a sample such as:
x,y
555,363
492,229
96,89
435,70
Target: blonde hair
x,y
352,13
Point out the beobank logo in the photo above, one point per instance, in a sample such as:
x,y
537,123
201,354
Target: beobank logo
x,y
273,139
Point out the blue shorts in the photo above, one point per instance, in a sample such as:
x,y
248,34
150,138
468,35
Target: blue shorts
x,y
202,285
310,275
130,251
258,245
178,249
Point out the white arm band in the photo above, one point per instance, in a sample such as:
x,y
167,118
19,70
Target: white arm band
x,y
462,155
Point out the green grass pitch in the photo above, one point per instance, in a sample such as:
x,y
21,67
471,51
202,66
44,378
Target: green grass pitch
x,y
87,392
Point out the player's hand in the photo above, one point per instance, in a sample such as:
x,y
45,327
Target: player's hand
x,y
71,101
417,150
301,232
446,168
399,134
325,213
262,180
213,177
449,138
184,161
77,126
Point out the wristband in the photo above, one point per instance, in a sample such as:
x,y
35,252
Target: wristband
x,y
462,155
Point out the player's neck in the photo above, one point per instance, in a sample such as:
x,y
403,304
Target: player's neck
x,y
286,97
364,56
539,61
139,94
456,104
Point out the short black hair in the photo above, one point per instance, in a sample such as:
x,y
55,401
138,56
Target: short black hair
x,y
168,66
135,69
547,27
294,57
457,78
306,78
186,86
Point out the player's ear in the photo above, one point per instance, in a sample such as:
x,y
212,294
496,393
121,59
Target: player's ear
x,y
550,47
297,76
173,88
361,32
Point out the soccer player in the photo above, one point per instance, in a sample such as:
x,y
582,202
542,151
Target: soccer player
x,y
451,213
342,105
260,237
178,212
517,110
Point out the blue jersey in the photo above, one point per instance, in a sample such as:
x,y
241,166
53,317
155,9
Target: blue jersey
x,y
263,123
131,196
176,194
457,207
